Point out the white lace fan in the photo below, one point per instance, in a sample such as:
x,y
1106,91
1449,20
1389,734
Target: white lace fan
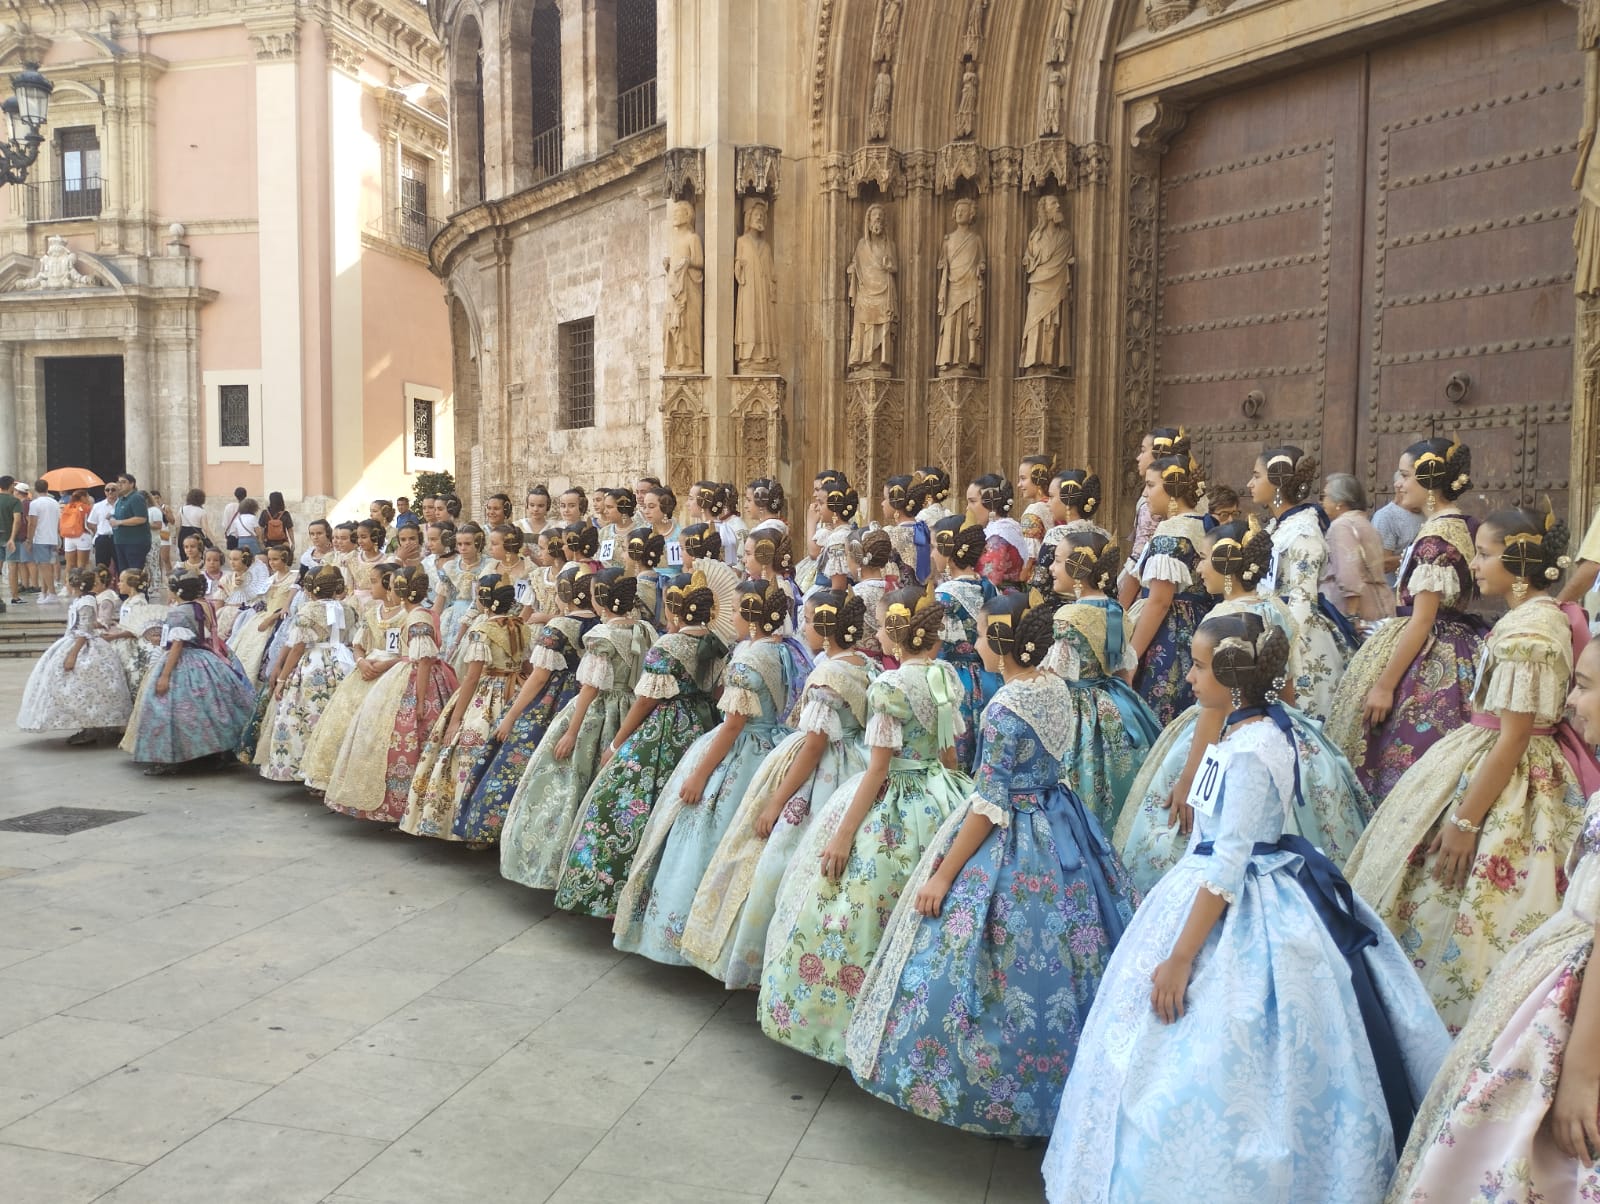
x,y
723,581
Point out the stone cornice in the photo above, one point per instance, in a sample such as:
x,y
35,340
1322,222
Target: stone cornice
x,y
463,229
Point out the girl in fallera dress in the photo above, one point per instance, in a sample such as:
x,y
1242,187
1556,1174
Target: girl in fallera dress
x,y
856,856
957,548
547,804
195,703
876,553
1006,556
78,684
726,935
379,751
1331,809
378,646
1410,685
551,684
911,537
440,541
1158,445
1467,855
255,631
1033,495
459,743
1111,730
107,601
1074,497
642,557
1257,1035
933,490
760,686
971,1011
1174,600
362,564
673,706
506,549
319,657
1514,1115
136,635
457,591
1283,481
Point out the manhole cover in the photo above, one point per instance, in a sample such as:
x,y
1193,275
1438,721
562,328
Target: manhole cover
x,y
64,821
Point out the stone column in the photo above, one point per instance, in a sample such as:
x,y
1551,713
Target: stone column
x,y
684,422
347,146
875,434
143,427
1044,413
759,426
11,362
958,425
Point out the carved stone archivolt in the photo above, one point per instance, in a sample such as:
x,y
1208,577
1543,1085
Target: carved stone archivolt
x,y
758,426
684,425
875,413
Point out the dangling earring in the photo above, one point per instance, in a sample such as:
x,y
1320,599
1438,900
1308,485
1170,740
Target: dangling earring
x,y
1227,585
1174,507
1519,591
1238,698
1277,497
1077,589
1275,693
1432,503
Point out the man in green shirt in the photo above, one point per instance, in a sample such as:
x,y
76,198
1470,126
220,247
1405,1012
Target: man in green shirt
x,y
16,550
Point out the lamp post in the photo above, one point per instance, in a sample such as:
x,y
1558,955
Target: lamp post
x,y
26,111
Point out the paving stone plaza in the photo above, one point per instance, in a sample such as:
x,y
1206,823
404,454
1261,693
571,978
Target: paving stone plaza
x,y
237,997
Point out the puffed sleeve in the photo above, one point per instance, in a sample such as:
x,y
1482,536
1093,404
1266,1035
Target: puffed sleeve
x,y
549,650
305,629
1435,569
595,669
1168,558
478,650
1002,734
660,677
421,642
741,691
1528,675
820,708
887,710
179,628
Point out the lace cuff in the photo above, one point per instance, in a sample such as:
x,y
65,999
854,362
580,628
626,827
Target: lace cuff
x,y
739,700
1435,579
540,657
1062,661
1526,687
1227,896
657,685
992,812
595,671
818,716
884,731
177,635
1159,567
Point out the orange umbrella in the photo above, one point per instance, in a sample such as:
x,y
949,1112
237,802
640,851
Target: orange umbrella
x,y
71,478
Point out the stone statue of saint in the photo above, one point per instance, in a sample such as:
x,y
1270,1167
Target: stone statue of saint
x,y
1061,32
873,292
1050,102
686,293
56,269
878,115
972,32
962,267
967,107
1586,231
883,45
755,332
1047,265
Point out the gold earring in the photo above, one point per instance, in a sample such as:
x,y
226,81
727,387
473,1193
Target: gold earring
x,y
1077,589
1519,591
1227,584
1432,503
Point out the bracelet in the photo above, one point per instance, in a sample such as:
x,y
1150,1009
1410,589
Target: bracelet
x,y
1466,825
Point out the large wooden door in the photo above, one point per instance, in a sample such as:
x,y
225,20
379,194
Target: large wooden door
x,y
1468,323
1359,255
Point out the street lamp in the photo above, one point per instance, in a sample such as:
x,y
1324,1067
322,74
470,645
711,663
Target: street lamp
x,y
26,112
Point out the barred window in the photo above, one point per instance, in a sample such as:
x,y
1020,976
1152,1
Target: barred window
x,y
422,428
233,415
576,346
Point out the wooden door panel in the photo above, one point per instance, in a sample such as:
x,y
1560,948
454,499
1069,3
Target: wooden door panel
x,y
1256,283
1467,249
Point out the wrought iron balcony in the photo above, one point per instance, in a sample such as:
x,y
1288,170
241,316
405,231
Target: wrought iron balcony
x,y
64,200
636,109
547,153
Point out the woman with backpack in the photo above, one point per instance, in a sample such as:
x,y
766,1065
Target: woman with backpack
x,y
75,534
276,525
244,528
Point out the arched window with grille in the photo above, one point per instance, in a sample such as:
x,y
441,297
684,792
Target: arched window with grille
x,y
544,82
636,66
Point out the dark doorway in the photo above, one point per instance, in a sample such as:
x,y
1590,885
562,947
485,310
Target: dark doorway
x,y
83,414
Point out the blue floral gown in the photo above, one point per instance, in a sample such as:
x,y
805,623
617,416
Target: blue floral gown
x,y
727,931
557,650
824,934
680,671
1299,559
762,682
1331,812
1113,729
1172,555
971,1018
207,703
963,599
547,802
1266,1090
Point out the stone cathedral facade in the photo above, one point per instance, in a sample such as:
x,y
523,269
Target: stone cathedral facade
x,y
735,241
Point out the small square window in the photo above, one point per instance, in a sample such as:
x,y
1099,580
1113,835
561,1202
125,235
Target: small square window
x,y
233,415
576,340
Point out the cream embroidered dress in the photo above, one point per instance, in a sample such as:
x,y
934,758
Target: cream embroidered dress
x,y
1456,937
1300,557
249,642
1480,1134
382,637
93,694
324,629
824,934
726,935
